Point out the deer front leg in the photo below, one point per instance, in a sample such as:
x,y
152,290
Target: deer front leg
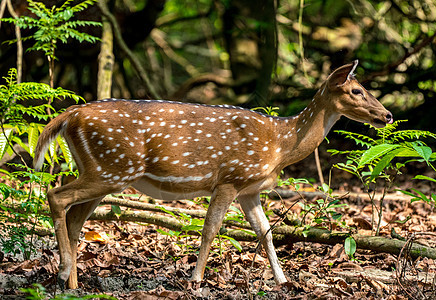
x,y
76,217
219,203
254,213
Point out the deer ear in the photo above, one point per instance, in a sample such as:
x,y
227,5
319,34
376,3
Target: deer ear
x,y
342,74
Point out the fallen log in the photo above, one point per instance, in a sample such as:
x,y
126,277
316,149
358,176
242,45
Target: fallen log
x,y
282,235
280,193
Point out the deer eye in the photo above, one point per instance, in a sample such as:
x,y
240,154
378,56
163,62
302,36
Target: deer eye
x,y
357,91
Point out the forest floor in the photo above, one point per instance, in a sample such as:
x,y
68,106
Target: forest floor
x,y
129,260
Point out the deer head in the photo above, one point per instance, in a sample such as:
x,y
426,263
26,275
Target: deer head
x,y
352,100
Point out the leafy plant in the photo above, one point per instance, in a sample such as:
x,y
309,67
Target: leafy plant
x,y
52,25
22,205
14,115
383,157
21,202
324,210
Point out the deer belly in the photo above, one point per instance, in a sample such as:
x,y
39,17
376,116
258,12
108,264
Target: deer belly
x,y
169,190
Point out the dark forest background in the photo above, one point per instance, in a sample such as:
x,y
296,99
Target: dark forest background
x,y
251,53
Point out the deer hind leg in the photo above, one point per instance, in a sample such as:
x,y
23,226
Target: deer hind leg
x,y
82,190
254,213
219,203
76,217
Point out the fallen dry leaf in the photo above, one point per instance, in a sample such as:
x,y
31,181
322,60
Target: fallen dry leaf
x,y
94,236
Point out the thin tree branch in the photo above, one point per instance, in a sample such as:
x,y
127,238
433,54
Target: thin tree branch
x,y
165,21
19,41
318,166
158,37
2,11
391,67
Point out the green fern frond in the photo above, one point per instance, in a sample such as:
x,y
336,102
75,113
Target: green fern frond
x,y
359,139
13,96
410,134
388,130
345,152
83,5
64,6
13,109
38,8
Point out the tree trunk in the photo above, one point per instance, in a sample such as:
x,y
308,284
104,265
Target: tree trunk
x,y
105,62
250,35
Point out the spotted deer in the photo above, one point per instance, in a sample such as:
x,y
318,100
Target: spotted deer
x,y
172,150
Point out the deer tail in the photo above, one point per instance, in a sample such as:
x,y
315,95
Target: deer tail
x,y
50,132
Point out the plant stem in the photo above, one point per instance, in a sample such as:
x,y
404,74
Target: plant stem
x,y
318,166
380,211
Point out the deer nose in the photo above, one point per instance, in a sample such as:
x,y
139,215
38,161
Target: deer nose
x,y
389,118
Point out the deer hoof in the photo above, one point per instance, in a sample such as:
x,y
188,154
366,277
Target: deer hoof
x,y
61,284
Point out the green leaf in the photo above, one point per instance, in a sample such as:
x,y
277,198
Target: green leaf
x,y
421,194
333,203
192,227
199,222
18,140
51,153
184,216
325,188
407,152
375,152
66,151
248,232
116,210
171,233
420,197
67,14
33,133
167,211
350,246
384,162
234,242
407,193
423,151
4,141
423,177
336,216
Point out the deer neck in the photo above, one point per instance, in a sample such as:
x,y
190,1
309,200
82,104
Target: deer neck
x,y
304,132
